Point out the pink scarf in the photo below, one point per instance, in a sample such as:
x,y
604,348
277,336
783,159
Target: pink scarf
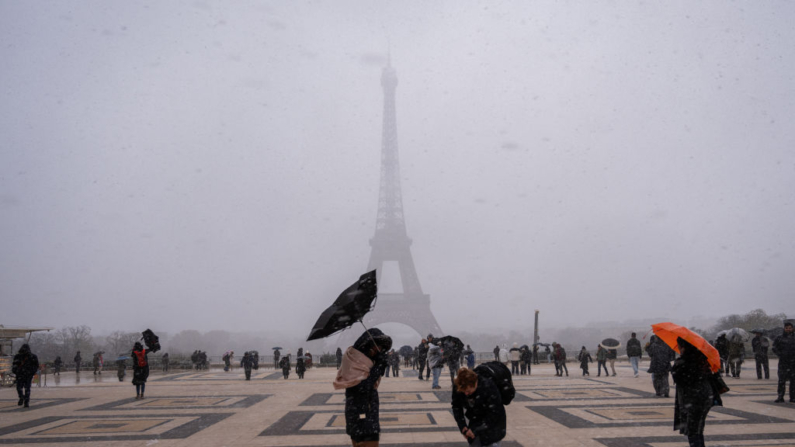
x,y
355,367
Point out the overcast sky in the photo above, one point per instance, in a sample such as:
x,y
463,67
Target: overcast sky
x,y
215,165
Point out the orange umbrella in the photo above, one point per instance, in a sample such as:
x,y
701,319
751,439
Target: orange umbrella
x,y
669,332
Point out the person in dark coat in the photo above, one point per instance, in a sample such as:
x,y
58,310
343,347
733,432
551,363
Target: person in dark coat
x,y
164,360
496,353
612,355
360,375
560,360
276,355
58,363
140,363
478,409
759,345
525,360
284,364
394,362
77,361
247,363
722,345
736,356
121,369
422,357
660,365
535,355
784,348
339,357
24,366
634,352
601,361
300,364
95,362
695,394
584,357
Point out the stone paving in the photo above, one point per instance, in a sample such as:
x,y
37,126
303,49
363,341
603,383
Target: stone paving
x,y
215,408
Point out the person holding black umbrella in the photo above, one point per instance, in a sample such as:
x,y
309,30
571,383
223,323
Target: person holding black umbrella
x,y
760,344
359,375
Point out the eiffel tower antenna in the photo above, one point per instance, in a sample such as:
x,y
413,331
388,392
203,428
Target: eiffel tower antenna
x,y
391,243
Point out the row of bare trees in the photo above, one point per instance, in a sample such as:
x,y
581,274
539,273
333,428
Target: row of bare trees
x,y
66,341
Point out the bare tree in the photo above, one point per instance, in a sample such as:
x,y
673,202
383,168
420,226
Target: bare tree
x,y
75,338
119,341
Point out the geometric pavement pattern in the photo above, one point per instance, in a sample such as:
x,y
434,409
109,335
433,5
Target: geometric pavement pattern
x,y
220,408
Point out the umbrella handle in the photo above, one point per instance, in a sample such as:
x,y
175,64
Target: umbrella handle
x,y
371,336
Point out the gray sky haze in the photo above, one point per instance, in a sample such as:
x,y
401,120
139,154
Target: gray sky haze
x,y
215,165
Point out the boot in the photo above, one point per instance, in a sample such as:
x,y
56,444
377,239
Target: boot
x,y
22,401
27,404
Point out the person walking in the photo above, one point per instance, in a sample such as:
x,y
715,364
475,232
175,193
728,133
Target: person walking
x,y
560,359
760,345
140,369
470,358
525,360
247,363
284,364
435,363
660,365
164,360
784,348
695,394
276,357
634,352
339,357
58,363
505,357
394,363
300,363
422,359
95,364
601,361
515,356
584,357
736,356
452,361
478,409
548,352
359,375
612,354
496,353
722,345
78,359
25,365
535,354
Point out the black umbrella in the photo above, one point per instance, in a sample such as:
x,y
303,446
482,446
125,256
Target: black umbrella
x,y
406,350
278,347
541,344
611,343
350,307
452,346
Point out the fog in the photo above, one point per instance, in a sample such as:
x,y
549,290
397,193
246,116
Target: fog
x,y
213,165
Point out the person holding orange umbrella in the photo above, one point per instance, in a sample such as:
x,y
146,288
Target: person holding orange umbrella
x,y
693,373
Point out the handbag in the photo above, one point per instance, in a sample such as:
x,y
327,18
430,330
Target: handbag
x,y
718,384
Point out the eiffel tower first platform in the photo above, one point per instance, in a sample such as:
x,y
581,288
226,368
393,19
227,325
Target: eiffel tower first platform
x,y
391,243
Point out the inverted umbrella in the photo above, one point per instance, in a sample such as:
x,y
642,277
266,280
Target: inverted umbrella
x,y
610,343
452,346
350,307
669,332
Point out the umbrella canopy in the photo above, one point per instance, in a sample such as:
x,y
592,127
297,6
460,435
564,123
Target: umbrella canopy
x,y
759,330
277,347
546,345
122,357
99,352
406,350
669,332
610,343
350,307
451,345
737,334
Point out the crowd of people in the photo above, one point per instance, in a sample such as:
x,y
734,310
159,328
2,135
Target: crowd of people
x,y
480,393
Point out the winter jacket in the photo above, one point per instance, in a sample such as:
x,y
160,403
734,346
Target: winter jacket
x,y
560,354
247,362
422,352
612,354
526,356
584,357
784,348
515,354
722,345
601,354
339,354
661,357
140,373
284,363
435,359
737,350
759,346
694,393
482,412
25,364
361,400
633,348
504,357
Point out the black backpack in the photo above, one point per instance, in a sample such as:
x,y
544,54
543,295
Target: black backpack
x,y
501,376
151,340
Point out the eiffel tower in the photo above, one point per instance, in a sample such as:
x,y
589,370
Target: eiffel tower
x,y
391,243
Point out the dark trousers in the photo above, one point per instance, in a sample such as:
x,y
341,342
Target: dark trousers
x,y
560,367
782,385
248,374
514,367
339,362
422,368
24,384
523,367
761,362
140,388
696,440
453,367
735,367
660,382
584,367
599,365
395,369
